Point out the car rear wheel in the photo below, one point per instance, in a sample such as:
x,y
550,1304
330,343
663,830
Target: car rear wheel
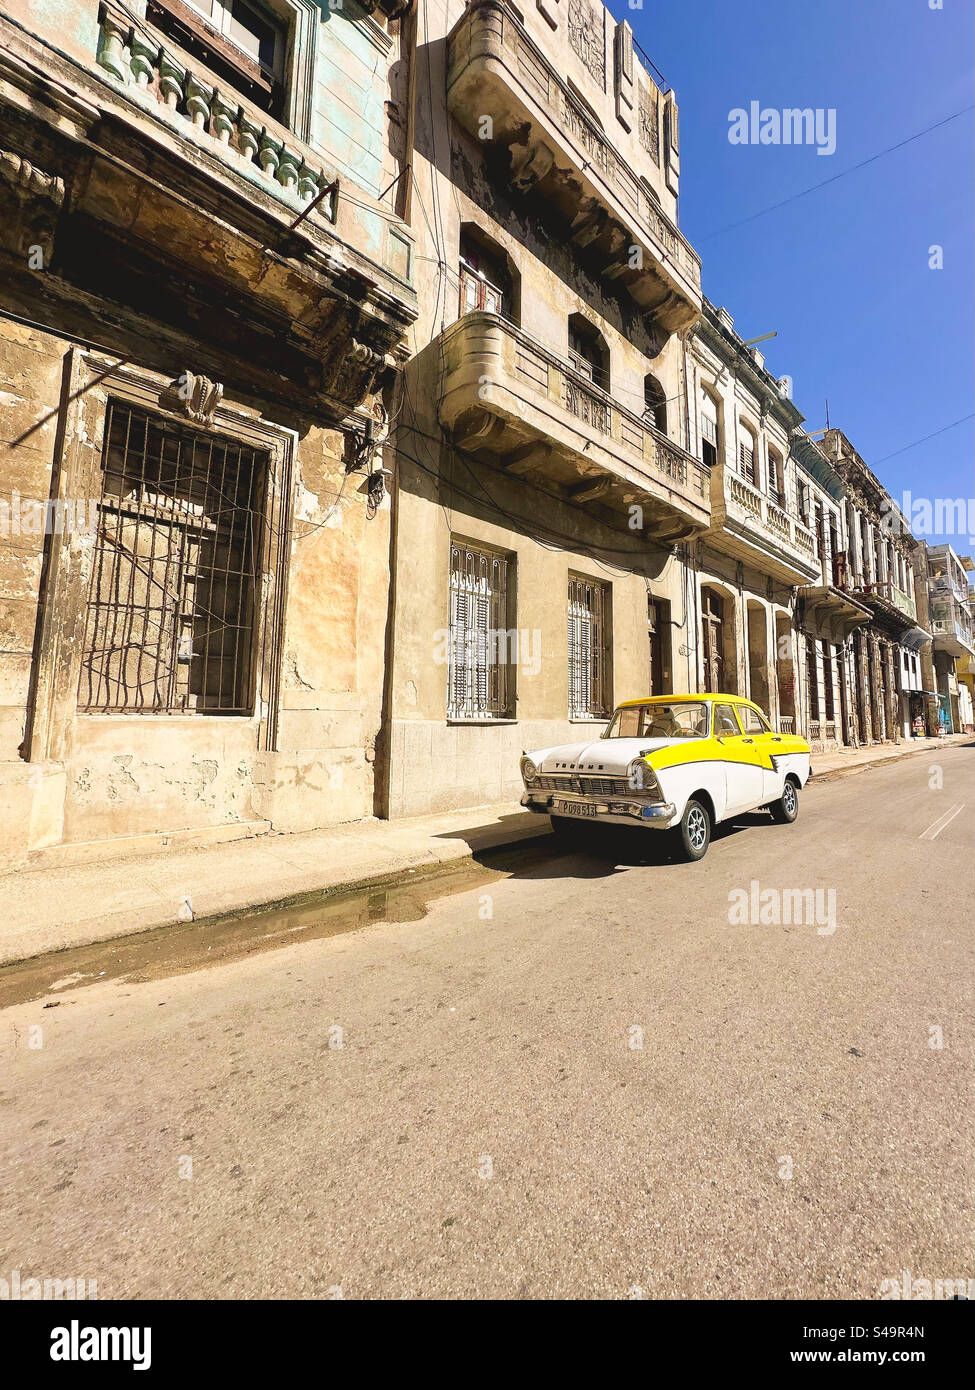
x,y
786,809
695,830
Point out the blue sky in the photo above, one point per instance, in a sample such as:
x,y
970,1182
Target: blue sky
x,y
843,273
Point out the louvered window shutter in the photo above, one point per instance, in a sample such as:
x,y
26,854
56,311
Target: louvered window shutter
x,y
481,654
585,665
460,634
573,664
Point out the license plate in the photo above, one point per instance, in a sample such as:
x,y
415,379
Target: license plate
x,y
573,808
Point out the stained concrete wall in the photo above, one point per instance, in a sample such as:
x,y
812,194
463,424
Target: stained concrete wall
x,y
116,779
434,763
138,775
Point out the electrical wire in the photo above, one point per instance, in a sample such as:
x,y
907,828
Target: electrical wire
x,y
803,193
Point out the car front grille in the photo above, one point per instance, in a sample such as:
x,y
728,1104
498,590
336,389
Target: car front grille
x,y
586,786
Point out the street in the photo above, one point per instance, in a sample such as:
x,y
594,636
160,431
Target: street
x,y
553,1075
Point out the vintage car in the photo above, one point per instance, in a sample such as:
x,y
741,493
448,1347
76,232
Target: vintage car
x,y
681,762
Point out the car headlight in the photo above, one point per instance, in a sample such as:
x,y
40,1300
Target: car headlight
x,y
640,777
528,770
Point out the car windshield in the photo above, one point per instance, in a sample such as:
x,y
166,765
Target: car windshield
x,y
681,719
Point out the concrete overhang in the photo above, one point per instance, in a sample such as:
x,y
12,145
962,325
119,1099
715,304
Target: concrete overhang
x,y
832,613
197,217
952,644
508,396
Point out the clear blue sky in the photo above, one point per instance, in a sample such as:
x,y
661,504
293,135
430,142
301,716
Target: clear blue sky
x,y
843,273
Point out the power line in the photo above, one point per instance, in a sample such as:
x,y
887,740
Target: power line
x,y
944,430
835,177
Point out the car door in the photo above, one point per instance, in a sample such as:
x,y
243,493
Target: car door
x,y
756,727
744,780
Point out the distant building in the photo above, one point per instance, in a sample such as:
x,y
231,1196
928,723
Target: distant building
x,y
953,640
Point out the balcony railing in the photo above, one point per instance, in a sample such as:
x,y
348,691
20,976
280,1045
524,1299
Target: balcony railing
x,y
156,75
951,587
883,589
508,394
496,71
758,523
950,620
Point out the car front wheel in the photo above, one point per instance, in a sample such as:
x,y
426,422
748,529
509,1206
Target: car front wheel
x,y
786,809
695,830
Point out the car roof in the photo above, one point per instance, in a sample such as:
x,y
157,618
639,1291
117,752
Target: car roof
x,y
673,699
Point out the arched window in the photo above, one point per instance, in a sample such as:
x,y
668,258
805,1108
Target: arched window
x,y
588,351
488,278
656,402
709,430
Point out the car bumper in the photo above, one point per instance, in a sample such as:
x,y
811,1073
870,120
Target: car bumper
x,y
613,810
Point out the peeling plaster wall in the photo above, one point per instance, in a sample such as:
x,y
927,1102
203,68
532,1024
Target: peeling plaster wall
x,y
287,333
146,774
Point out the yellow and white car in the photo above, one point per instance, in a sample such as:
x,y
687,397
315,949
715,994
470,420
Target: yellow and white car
x,y
681,762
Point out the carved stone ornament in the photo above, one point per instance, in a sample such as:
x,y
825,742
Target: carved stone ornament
x,y
196,397
587,37
650,125
30,201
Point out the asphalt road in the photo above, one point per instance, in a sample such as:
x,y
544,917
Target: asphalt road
x,y
491,1124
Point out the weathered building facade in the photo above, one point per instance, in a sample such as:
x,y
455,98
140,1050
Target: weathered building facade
x,y
206,286
878,569
953,641
771,522
547,483
364,424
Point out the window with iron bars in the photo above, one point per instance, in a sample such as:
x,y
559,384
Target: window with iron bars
x,y
171,605
588,676
479,680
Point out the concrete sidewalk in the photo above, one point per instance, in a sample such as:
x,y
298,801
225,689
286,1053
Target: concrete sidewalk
x,y
52,908
828,766
48,909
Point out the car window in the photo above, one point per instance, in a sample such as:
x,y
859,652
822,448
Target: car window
x,y
725,724
629,723
680,719
753,721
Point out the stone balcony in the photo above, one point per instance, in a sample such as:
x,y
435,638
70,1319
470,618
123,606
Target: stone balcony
x,y
498,80
892,608
174,191
749,525
508,396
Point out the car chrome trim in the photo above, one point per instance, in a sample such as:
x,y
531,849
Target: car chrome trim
x,y
647,813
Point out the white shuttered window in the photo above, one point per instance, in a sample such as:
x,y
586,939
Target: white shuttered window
x,y
588,683
478,679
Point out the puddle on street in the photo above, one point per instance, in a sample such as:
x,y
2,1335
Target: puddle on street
x,y
184,947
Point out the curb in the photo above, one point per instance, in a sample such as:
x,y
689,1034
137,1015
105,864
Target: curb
x,y
388,878
836,774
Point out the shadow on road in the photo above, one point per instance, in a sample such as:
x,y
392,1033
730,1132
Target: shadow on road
x,y
604,851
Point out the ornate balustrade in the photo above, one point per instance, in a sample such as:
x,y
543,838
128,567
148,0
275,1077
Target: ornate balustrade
x,y
235,131
506,393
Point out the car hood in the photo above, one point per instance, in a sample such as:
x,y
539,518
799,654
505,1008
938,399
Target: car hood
x,y
610,756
